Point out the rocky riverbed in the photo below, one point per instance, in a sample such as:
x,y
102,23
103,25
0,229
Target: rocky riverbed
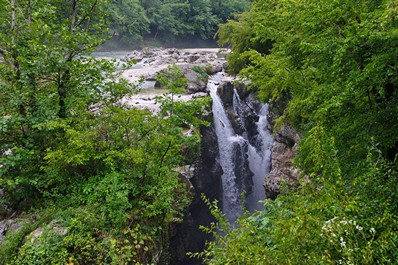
x,y
149,62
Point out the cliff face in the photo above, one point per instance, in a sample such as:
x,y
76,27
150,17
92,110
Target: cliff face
x,y
206,179
282,154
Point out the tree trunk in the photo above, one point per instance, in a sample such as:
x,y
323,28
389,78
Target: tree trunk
x,y
29,13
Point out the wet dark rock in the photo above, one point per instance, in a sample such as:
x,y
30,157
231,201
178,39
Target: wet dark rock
x,y
242,90
186,236
226,93
242,171
236,122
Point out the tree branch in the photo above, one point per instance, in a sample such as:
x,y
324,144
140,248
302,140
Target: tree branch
x,y
87,14
163,156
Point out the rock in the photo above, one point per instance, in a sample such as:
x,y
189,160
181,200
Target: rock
x,y
186,236
151,52
199,95
36,234
242,90
225,65
282,169
171,51
287,136
10,225
208,173
134,55
196,83
193,58
213,67
242,170
165,60
236,122
52,228
226,93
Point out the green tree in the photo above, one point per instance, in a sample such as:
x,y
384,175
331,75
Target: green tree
x,y
99,178
43,86
331,64
128,19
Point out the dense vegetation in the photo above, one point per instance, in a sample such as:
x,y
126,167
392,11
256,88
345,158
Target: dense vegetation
x,y
97,183
95,180
333,66
170,19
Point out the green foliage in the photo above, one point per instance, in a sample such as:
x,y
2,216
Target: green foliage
x,y
103,175
168,19
328,224
128,19
332,65
201,72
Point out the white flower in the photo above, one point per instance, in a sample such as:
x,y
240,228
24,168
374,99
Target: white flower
x,y
342,242
372,230
331,220
360,228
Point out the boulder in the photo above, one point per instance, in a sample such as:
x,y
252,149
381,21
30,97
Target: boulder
x,y
151,52
134,55
192,58
287,136
196,82
213,67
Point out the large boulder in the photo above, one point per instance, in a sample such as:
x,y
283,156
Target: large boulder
x,y
196,81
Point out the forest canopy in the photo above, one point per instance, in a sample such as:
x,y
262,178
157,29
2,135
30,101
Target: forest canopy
x,y
133,20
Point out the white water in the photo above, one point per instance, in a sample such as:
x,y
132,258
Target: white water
x,y
259,156
226,141
260,161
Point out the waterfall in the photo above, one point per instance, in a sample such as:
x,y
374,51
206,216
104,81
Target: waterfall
x,y
227,141
254,150
260,161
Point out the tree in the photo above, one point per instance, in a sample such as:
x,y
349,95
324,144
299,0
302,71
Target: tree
x,y
72,155
331,64
42,81
128,19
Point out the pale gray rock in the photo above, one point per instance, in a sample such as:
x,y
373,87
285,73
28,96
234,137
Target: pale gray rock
x,y
282,169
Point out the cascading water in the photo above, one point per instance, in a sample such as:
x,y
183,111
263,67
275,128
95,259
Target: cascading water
x,y
230,144
260,161
227,141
